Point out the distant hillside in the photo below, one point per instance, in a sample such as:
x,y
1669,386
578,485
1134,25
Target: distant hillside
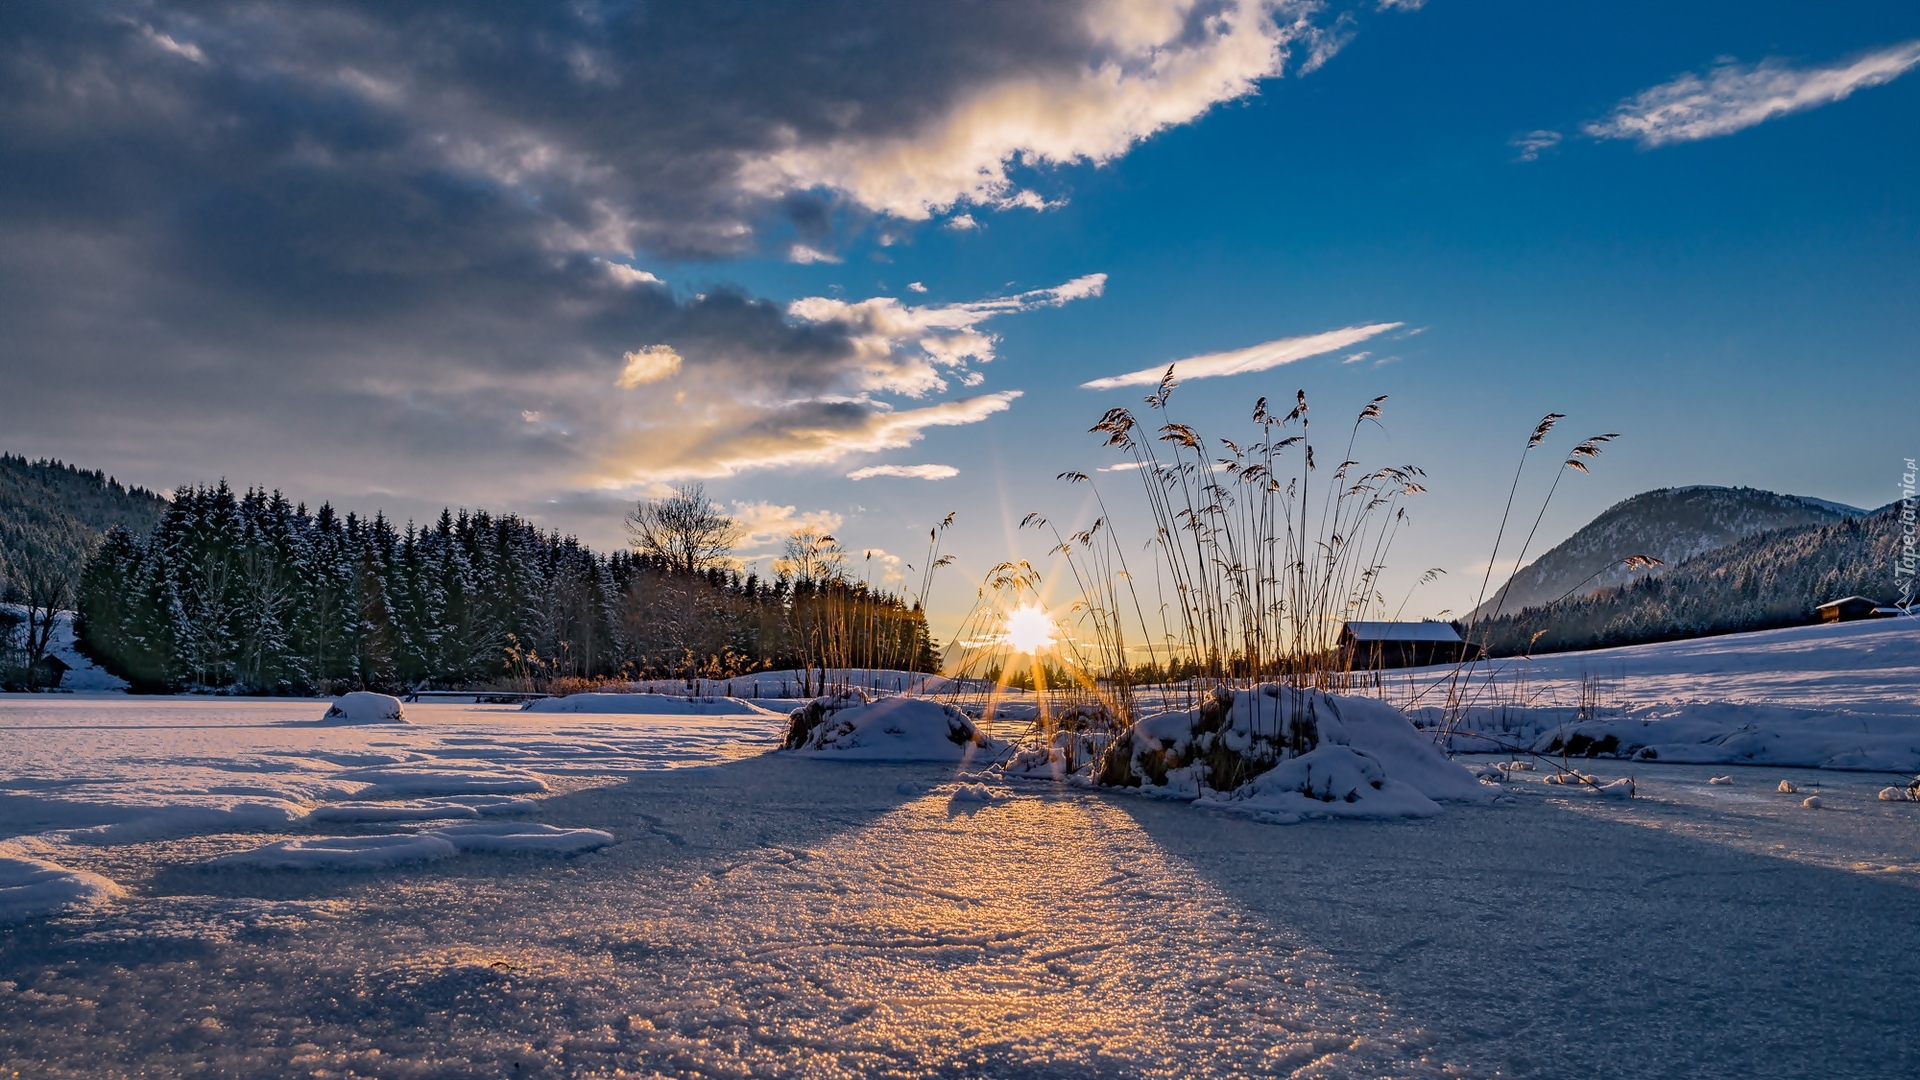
x,y
53,514
1769,579
1670,524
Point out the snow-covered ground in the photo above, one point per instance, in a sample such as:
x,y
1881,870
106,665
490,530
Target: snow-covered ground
x,y
1845,696
239,887
779,916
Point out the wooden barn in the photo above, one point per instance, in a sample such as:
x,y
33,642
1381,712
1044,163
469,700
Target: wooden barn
x,y
1403,644
1849,608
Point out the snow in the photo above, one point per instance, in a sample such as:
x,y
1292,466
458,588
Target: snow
x,y
523,836
344,852
398,849
31,887
1329,782
755,921
646,705
82,674
1842,696
1362,759
895,729
365,707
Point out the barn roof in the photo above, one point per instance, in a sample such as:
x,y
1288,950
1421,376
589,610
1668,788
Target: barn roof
x,y
1848,601
1403,631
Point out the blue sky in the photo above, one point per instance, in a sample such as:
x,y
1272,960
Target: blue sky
x,y
1736,298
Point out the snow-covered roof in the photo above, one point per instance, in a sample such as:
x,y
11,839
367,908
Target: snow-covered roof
x,y
1403,631
1848,600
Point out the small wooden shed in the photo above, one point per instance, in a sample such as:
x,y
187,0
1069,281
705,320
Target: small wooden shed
x,y
1849,608
1403,644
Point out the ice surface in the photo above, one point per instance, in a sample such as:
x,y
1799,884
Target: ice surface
x,y
30,887
365,707
646,705
755,921
897,729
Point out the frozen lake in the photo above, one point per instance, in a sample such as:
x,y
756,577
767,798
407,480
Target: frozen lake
x,y
761,915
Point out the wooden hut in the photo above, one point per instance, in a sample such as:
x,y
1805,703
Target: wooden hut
x,y
1372,645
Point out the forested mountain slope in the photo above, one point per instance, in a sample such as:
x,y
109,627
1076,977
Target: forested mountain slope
x,y
1769,579
1669,524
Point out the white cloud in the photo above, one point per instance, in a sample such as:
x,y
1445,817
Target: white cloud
x,y
889,566
913,472
916,286
627,275
946,336
806,256
1356,358
1240,361
651,364
1125,466
765,524
166,43
1732,97
1153,65
722,437
1533,142
531,416
962,223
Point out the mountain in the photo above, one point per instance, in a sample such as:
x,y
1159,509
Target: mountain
x,y
1670,524
1769,579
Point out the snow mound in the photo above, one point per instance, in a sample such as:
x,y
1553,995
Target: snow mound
x,y
1786,787
1720,780
367,812
1238,734
912,787
523,836
890,729
170,822
404,781
1893,794
30,886
344,852
647,705
1811,802
365,707
976,793
1589,784
1332,781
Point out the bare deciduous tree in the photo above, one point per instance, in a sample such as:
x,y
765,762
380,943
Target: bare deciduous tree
x,y
685,529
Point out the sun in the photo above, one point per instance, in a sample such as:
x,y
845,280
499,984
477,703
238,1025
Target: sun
x,y
1029,629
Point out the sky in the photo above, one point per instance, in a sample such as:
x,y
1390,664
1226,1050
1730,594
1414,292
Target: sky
x,y
857,266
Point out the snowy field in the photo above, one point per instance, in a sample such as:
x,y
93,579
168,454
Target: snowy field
x,y
1845,696
755,914
634,884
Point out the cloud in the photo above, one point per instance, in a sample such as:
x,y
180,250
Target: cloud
x,y
962,223
531,416
915,472
726,439
904,348
1142,66
804,255
890,567
651,364
1733,97
916,286
765,524
1240,361
1356,358
1533,142
242,229
628,275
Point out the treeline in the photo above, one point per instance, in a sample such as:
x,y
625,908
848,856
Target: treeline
x,y
254,594
51,517
1761,582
